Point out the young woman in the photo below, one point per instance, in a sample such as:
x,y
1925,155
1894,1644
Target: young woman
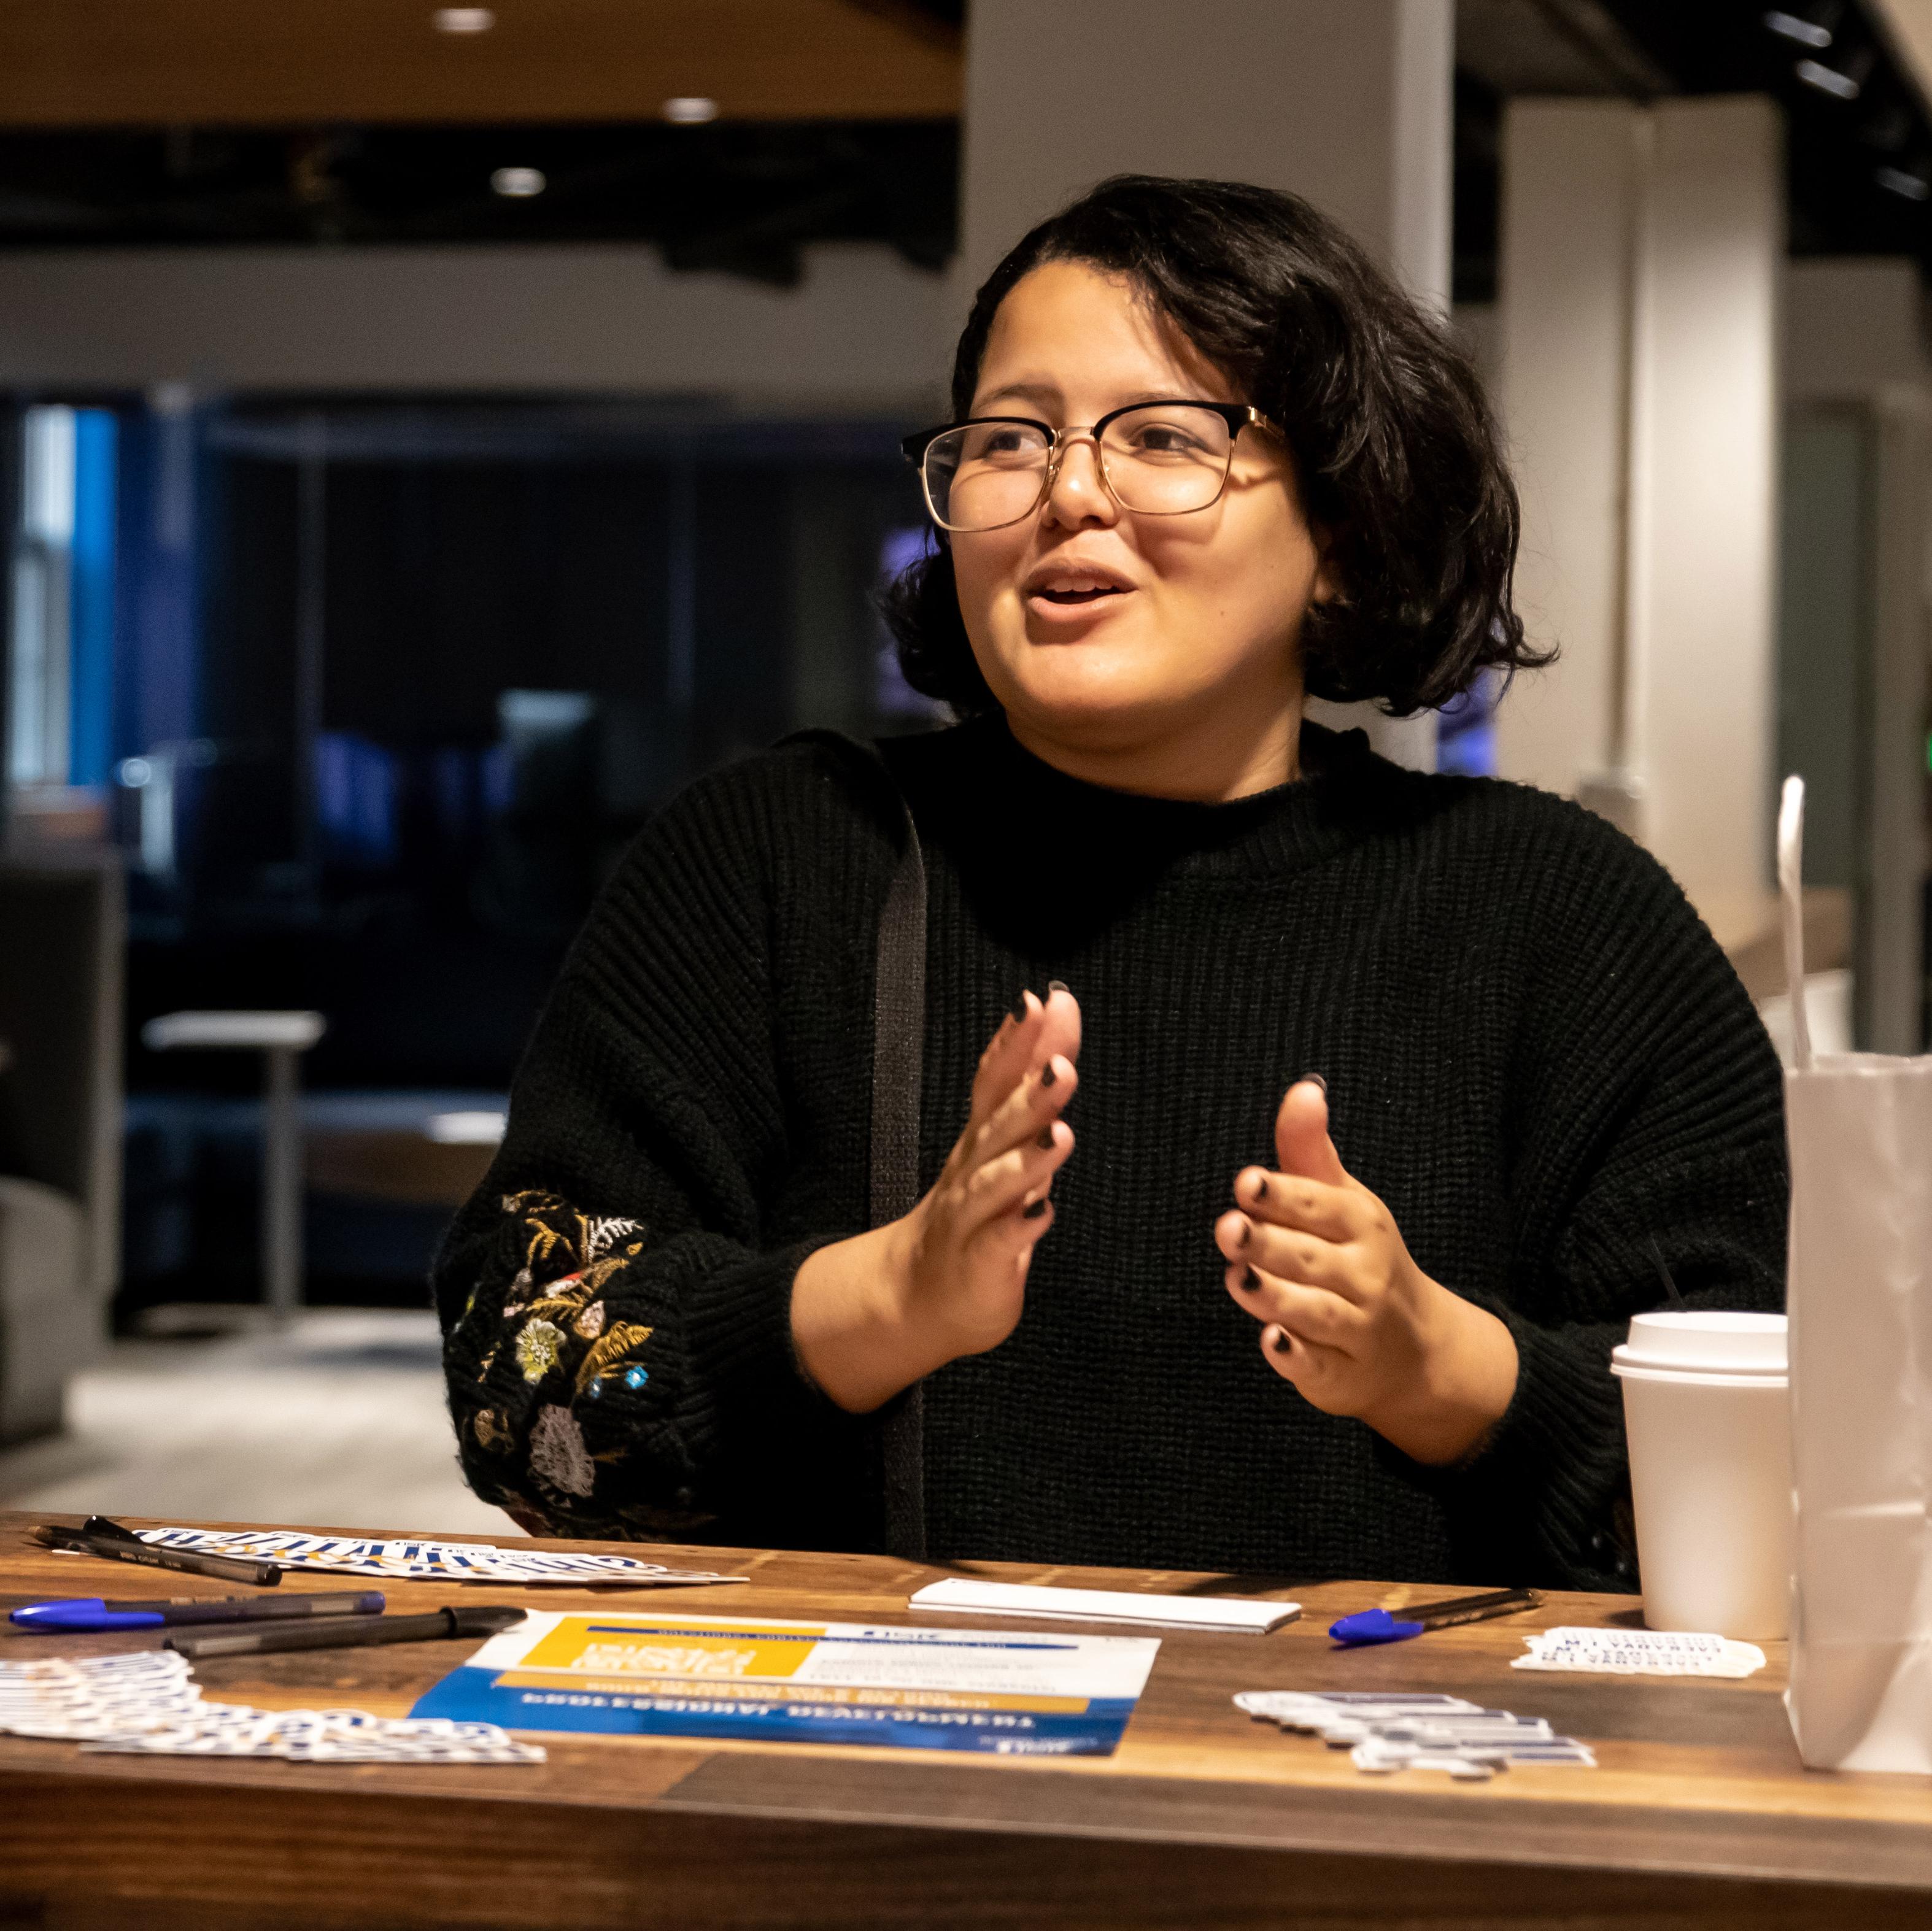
x,y
1298,1132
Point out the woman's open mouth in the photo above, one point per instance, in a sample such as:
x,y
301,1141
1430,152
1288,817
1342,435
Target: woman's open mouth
x,y
1089,593
1067,590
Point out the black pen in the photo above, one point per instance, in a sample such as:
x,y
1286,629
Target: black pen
x,y
483,1619
126,1548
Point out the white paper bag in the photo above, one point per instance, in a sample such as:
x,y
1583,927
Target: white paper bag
x,y
1860,1307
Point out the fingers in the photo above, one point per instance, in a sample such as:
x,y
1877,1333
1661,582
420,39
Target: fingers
x,y
1009,1053
1304,1364
1014,1141
1060,1024
1032,1073
1018,1179
1334,1266
1301,1141
1027,1115
1315,1207
1032,1034
1309,1314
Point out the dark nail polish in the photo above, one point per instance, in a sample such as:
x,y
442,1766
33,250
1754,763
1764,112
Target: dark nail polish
x,y
1046,1137
1034,1212
1058,986
1250,1279
1281,1343
1047,1076
1247,1233
1262,1188
1019,1009
1313,1079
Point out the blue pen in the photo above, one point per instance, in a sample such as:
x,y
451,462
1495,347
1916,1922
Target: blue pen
x,y
1381,1626
80,1613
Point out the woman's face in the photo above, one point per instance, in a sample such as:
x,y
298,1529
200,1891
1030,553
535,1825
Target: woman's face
x,y
1101,630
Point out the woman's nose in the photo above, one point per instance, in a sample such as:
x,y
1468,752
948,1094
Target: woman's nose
x,y
1076,494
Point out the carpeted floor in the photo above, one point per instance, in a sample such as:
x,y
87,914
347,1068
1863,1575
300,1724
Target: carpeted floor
x,y
337,1421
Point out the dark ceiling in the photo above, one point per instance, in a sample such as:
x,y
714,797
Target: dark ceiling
x,y
1858,141
747,197
741,196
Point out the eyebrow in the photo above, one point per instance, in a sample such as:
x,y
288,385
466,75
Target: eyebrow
x,y
1042,394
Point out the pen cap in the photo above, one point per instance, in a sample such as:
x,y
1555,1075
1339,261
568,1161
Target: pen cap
x,y
1372,1626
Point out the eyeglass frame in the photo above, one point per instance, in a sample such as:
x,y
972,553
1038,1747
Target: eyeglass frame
x,y
1237,415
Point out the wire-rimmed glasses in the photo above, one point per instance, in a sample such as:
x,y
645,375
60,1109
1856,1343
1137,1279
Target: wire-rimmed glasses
x,y
1160,458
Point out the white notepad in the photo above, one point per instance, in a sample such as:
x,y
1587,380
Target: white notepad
x,y
1241,1615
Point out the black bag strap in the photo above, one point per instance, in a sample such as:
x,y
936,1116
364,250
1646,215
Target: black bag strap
x,y
899,1050
899,1030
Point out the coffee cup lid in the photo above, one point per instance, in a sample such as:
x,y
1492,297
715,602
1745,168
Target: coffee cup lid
x,y
1705,1341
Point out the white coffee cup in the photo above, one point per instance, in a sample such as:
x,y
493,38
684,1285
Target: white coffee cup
x,y
1707,1412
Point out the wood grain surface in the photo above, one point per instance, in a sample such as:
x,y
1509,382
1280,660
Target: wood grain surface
x,y
323,63
1698,1815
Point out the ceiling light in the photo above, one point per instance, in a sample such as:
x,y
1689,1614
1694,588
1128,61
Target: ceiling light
x,y
1913,187
1806,33
1827,80
462,20
518,184
688,109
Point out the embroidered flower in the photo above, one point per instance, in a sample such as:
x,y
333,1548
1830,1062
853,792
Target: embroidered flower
x,y
599,1235
539,1344
616,1349
590,1323
558,1457
487,1426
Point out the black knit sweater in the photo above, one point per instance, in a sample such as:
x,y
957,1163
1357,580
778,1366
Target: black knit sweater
x,y
1535,1054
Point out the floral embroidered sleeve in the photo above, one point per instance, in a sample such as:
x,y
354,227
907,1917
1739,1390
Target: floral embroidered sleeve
x,y
615,1299
562,1329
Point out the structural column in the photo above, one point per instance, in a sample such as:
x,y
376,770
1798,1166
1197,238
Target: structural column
x,y
1346,102
1641,256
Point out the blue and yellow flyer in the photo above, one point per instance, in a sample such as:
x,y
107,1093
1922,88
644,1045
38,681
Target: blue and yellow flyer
x,y
1002,1693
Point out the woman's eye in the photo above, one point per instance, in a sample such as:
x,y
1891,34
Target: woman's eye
x,y
1163,439
1013,443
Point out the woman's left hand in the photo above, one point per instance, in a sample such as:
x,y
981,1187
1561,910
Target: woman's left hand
x,y
1347,1316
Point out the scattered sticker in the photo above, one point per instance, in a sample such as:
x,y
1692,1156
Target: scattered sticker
x,y
148,1701
1386,1730
412,1559
1639,1653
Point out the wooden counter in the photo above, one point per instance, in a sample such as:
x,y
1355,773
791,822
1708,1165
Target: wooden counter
x,y
1698,1815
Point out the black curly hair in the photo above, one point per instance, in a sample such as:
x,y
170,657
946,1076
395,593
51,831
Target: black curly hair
x,y
1395,452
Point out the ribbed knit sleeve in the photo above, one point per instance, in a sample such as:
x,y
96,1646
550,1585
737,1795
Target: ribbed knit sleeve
x,y
615,1299
1649,1148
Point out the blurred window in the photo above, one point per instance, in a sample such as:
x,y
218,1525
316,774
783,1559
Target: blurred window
x,y
60,702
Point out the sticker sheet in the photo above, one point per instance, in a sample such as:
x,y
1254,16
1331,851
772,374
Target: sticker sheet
x,y
147,1702
996,1692
1639,1653
1385,1731
413,1560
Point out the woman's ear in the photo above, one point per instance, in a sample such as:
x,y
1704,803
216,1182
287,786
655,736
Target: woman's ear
x,y
1327,587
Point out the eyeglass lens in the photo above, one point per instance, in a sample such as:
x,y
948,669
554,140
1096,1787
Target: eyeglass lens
x,y
1162,460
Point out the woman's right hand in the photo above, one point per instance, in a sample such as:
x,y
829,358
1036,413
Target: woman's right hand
x,y
873,1315
970,1240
